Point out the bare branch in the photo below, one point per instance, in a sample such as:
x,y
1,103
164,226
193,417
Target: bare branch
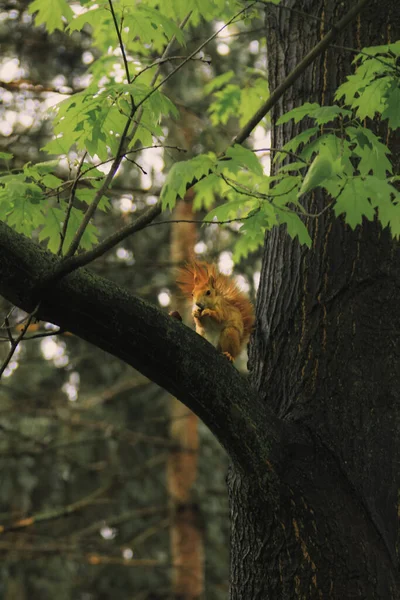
x,y
121,44
70,204
14,343
56,513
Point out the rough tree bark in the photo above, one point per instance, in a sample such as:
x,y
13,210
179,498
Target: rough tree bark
x,y
314,441
325,356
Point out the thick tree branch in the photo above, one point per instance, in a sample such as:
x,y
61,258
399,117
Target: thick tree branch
x,y
160,347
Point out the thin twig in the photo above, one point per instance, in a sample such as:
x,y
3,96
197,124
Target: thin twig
x,y
293,10
70,204
121,43
50,515
14,343
198,49
204,222
392,67
161,61
135,150
9,334
271,149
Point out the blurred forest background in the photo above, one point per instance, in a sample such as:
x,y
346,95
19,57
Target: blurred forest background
x,y
86,443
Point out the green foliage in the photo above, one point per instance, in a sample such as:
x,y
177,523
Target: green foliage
x,y
244,158
123,111
347,158
94,121
375,86
183,174
235,99
53,15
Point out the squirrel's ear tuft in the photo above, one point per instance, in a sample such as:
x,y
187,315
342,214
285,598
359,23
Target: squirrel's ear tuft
x,y
195,274
186,277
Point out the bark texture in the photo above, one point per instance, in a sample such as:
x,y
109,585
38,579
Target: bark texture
x,y
325,356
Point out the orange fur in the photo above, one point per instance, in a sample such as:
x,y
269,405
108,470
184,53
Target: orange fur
x,y
222,313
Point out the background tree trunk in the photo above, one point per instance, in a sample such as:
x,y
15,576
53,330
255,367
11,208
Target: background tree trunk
x,y
187,551
325,356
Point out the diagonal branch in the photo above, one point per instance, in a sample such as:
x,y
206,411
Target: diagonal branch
x,y
56,513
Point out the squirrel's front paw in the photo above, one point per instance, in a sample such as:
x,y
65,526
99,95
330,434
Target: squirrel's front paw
x,y
207,313
197,313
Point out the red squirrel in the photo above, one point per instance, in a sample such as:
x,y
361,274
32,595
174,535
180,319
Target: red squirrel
x,y
222,313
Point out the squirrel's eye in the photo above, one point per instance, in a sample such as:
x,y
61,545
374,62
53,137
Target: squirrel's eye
x,y
208,292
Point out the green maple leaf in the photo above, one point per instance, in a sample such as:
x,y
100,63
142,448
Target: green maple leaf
x,y
392,112
293,144
297,114
218,82
244,158
183,173
205,192
52,228
251,98
225,105
372,99
25,215
353,202
237,208
325,114
252,232
52,15
285,190
372,152
295,226
350,89
320,170
89,238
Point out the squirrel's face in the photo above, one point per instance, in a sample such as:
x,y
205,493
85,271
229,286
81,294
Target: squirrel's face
x,y
204,296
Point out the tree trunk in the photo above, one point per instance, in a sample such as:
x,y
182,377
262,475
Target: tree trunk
x,y
187,548
325,356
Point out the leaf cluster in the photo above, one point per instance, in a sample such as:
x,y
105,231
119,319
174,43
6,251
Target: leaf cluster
x,y
340,153
123,109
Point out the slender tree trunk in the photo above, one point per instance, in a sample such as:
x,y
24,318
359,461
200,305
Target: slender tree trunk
x,y
187,552
326,357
